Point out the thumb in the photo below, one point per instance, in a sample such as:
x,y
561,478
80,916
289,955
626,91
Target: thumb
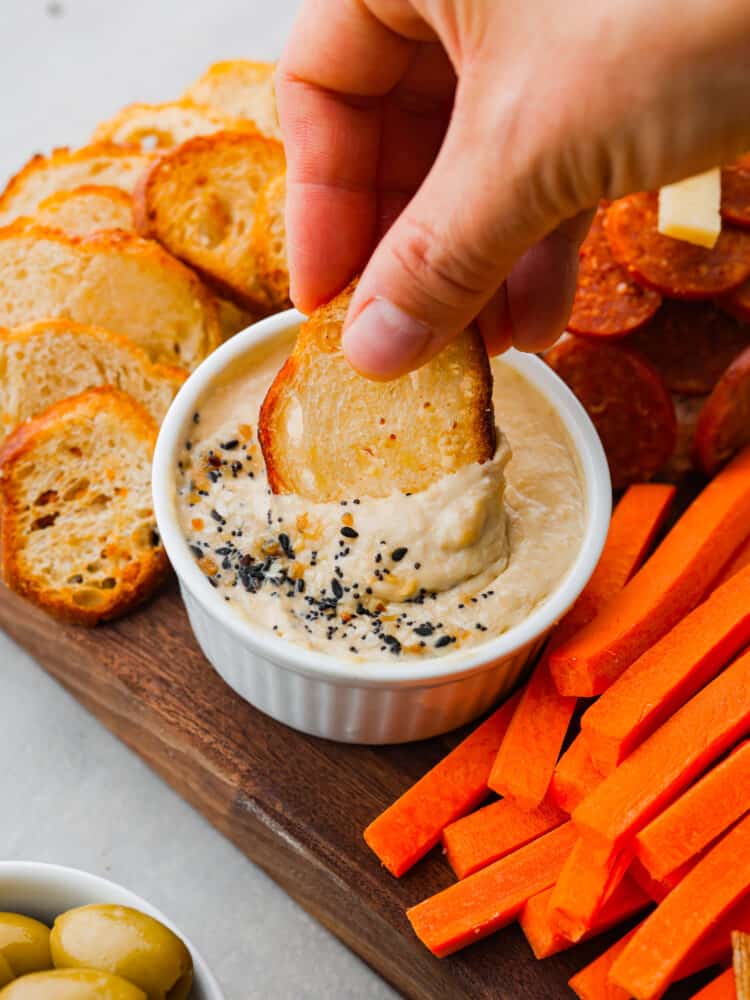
x,y
449,252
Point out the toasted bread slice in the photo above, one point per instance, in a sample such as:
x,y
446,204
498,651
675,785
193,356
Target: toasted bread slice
x,y
240,88
65,169
159,126
113,280
78,530
87,209
269,239
198,200
45,362
328,433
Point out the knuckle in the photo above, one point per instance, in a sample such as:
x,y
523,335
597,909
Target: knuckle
x,y
441,268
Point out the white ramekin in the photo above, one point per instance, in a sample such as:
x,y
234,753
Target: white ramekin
x,y
381,702
44,891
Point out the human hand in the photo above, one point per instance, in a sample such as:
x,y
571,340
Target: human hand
x,y
454,150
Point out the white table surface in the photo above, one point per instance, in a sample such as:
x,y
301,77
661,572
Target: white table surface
x,y
71,793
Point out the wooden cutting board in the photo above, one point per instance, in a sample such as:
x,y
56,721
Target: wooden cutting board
x,y
296,805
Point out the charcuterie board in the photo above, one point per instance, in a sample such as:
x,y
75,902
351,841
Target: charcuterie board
x,y
294,804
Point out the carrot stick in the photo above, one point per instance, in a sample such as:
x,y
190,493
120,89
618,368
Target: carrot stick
x,y
721,988
593,982
669,585
739,560
700,815
669,673
411,827
670,759
545,938
524,764
659,889
575,777
588,878
532,744
492,897
741,963
716,946
665,938
488,834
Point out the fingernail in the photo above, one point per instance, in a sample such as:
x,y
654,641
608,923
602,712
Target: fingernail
x,y
384,341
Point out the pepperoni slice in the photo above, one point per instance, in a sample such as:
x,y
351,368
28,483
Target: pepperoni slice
x,y
724,423
738,302
608,302
626,400
675,268
690,344
735,192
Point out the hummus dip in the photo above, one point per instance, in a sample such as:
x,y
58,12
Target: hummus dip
x,y
407,575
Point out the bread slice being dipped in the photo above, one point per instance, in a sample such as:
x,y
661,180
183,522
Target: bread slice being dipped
x,y
328,433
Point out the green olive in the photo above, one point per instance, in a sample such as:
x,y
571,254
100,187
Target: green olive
x,y
24,943
126,942
6,973
71,984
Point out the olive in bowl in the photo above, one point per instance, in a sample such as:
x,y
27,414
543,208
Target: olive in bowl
x,y
24,945
126,943
71,984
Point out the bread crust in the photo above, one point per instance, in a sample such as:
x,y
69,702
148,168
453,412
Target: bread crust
x,y
136,123
359,455
119,204
64,155
110,345
188,168
119,243
240,87
141,575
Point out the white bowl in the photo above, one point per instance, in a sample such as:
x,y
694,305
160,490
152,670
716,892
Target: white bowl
x,y
44,891
379,702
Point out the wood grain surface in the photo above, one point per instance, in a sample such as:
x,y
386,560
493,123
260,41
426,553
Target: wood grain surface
x,y
296,805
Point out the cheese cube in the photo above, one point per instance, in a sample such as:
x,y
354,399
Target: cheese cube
x,y
689,209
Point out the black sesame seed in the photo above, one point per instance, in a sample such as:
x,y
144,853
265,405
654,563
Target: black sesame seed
x,y
338,590
230,445
196,417
398,554
444,640
286,545
188,446
217,516
425,629
301,585
196,551
348,532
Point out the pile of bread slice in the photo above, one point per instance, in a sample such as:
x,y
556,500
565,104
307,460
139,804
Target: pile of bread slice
x,y
123,264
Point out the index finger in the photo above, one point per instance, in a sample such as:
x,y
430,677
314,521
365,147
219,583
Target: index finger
x,y
339,62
